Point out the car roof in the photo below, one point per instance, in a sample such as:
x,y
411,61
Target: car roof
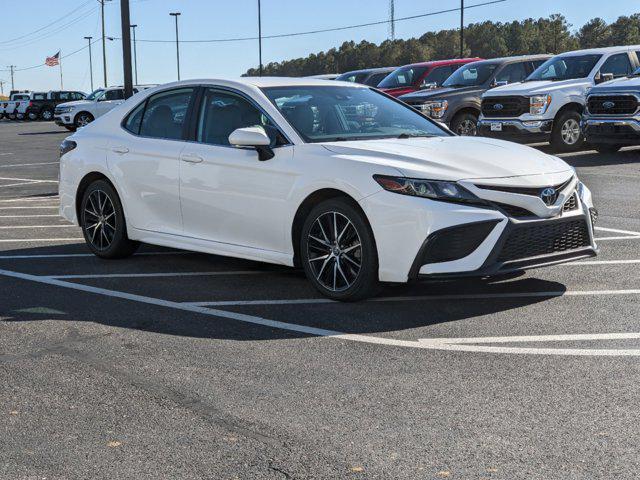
x,y
370,70
261,82
621,48
516,58
437,63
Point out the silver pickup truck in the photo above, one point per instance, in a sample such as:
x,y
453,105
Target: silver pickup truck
x,y
9,107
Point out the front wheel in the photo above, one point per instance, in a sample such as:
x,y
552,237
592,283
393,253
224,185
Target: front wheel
x,y
47,115
83,119
103,223
465,124
338,251
32,116
566,135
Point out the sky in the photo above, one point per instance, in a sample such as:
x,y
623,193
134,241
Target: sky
x,y
26,43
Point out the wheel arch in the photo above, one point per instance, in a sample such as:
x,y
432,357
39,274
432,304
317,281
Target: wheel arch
x,y
466,109
87,180
571,106
305,208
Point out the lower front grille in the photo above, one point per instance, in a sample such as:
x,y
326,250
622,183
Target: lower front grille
x,y
570,204
457,242
533,240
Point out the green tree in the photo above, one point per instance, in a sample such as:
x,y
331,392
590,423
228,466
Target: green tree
x,y
594,33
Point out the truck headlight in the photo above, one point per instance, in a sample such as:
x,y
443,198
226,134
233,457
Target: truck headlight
x,y
63,109
435,109
539,104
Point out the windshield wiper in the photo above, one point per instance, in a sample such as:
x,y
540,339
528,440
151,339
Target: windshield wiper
x,y
406,135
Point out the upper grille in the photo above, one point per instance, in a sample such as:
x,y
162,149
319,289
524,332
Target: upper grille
x,y
514,211
533,191
544,239
505,106
612,104
570,204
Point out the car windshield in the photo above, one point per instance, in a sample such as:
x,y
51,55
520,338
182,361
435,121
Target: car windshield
x,y
565,67
95,95
333,114
402,77
471,75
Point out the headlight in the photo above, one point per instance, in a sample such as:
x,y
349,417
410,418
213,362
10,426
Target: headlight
x,y
538,104
433,189
435,109
64,109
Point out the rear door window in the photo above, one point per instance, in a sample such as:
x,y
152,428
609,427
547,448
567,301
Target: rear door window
x,y
165,114
512,73
114,94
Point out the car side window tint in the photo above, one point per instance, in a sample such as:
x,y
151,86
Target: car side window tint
x,y
114,95
619,65
513,73
375,79
222,112
64,96
134,120
165,114
438,75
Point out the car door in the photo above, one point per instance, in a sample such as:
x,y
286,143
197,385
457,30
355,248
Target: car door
x,y
228,195
109,101
144,159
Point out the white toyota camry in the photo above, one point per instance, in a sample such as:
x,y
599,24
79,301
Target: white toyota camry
x,y
346,182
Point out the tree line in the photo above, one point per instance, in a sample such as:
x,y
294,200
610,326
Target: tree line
x,y
486,39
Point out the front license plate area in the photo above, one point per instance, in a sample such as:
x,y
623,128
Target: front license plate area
x,y
496,127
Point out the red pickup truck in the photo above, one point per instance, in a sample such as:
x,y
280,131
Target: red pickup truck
x,y
422,75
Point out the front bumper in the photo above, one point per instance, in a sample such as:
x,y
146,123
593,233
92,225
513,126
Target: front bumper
x,y
522,131
618,131
404,228
63,119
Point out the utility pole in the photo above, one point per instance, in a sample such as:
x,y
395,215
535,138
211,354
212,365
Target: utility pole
x,y
104,43
259,39
135,54
12,67
126,47
392,20
90,61
176,15
2,82
461,28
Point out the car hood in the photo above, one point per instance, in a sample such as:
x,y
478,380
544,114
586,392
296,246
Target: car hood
x,y
537,87
618,85
74,103
451,158
438,93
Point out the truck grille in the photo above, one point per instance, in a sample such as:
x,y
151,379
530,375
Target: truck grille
x,y
612,104
544,239
505,106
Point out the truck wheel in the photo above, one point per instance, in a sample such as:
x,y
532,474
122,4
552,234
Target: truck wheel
x,y
32,116
465,124
47,115
20,116
83,119
566,135
607,148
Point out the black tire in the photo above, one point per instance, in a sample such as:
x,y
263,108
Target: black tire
x,y
46,115
103,223
11,116
465,124
342,270
33,116
83,119
607,148
564,137
70,128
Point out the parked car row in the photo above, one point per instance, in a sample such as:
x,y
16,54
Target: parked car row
x,y
528,99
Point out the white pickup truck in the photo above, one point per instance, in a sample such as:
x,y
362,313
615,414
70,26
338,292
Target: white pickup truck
x,y
548,105
73,115
10,107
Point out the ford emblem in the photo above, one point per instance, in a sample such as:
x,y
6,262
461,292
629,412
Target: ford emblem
x,y
498,106
549,196
608,105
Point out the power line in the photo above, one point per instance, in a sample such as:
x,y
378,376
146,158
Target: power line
x,y
335,29
61,57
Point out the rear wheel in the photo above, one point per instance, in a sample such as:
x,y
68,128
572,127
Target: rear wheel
x,y
33,116
338,251
607,148
47,114
83,119
465,124
103,223
566,135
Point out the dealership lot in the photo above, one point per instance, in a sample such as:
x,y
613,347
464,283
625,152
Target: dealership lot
x,y
172,364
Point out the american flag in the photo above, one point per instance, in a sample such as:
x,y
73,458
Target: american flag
x,y
53,61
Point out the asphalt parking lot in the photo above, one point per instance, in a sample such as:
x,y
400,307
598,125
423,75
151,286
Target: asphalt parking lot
x,y
180,365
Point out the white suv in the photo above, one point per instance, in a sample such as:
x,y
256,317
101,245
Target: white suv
x,y
77,114
548,105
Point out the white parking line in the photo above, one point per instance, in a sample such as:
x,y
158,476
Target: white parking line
x,y
23,240
614,230
30,207
80,255
30,199
34,180
426,344
28,216
11,227
627,237
26,164
421,298
162,274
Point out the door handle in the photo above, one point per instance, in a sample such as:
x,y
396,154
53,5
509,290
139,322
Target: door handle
x,y
191,158
120,150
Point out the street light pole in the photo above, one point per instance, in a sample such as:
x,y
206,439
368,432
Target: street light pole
x,y
90,61
176,15
259,39
461,28
12,67
104,43
135,54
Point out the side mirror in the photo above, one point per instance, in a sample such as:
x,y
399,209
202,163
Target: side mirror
x,y
500,83
602,77
253,137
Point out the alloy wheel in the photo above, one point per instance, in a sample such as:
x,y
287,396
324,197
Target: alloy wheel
x,y
83,121
47,115
334,250
33,116
99,220
466,128
570,132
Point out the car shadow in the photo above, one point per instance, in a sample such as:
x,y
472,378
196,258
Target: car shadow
x,y
415,305
56,132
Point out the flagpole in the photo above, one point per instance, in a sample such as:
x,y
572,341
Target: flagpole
x,y
60,65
